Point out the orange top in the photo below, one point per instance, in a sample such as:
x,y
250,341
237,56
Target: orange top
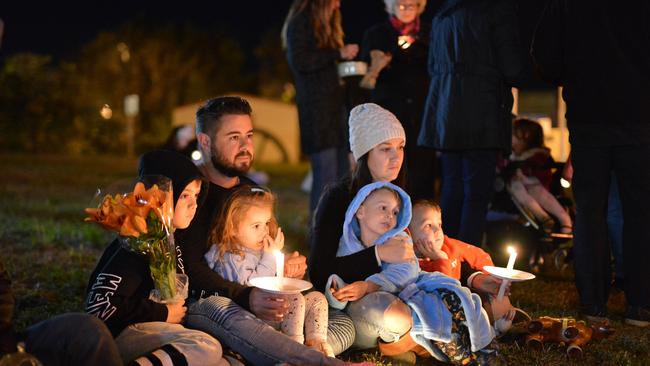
x,y
458,252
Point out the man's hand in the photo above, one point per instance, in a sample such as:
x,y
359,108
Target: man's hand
x,y
295,265
176,312
487,283
267,306
396,250
355,291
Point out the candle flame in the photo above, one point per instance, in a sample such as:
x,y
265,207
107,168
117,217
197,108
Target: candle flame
x,y
511,249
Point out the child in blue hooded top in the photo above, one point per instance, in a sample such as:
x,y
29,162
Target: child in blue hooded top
x,y
378,212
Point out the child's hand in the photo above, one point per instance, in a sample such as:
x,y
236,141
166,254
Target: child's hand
x,y
426,248
176,312
355,291
503,325
489,284
276,243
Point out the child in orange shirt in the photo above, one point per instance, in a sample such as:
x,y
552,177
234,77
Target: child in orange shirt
x,y
441,253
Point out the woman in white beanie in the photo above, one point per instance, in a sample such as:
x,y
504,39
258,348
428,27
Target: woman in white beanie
x,y
377,142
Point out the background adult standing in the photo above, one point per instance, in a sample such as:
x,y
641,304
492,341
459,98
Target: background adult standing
x,y
474,59
402,43
593,50
313,37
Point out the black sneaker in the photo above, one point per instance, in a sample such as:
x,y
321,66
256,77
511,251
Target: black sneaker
x,y
637,316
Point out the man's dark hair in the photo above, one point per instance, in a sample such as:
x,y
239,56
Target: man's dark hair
x,y
208,116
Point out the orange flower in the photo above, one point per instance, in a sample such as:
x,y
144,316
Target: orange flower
x,y
127,214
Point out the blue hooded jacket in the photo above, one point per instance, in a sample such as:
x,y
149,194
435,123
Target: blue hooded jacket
x,y
393,277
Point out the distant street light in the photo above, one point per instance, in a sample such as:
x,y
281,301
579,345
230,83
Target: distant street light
x,y
125,54
106,112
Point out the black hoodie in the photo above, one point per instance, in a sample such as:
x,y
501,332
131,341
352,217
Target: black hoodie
x,y
119,287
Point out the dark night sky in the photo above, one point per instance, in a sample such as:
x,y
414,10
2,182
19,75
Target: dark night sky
x,y
61,28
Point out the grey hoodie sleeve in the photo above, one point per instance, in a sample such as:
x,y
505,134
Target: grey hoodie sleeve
x,y
241,270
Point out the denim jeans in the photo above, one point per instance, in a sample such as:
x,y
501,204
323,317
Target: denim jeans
x,y
467,187
367,314
328,166
593,167
74,339
615,226
192,345
257,341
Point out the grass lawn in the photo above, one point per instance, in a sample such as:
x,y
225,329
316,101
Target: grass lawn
x,y
50,251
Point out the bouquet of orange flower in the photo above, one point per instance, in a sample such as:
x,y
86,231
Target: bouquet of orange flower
x,y
143,218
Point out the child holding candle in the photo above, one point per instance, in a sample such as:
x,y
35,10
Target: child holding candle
x,y
443,254
247,243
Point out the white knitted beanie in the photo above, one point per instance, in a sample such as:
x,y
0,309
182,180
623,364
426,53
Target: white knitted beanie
x,y
370,125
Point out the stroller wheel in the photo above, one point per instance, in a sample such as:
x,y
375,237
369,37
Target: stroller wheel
x,y
560,259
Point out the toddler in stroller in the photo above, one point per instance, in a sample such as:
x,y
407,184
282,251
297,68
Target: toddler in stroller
x,y
528,177
525,207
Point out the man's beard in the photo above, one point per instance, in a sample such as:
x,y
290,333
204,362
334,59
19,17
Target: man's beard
x,y
227,168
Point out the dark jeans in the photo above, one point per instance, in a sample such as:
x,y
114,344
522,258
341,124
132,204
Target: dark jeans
x,y
593,167
467,187
72,339
328,166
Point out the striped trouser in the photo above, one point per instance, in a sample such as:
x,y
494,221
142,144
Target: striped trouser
x,y
160,343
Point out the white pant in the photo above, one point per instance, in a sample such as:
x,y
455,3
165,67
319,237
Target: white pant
x,y
197,347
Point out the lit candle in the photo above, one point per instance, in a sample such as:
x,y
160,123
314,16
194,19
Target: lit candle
x,y
279,263
513,256
510,267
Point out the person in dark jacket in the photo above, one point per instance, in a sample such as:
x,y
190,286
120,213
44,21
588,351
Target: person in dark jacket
x,y
313,38
598,52
474,59
119,287
401,86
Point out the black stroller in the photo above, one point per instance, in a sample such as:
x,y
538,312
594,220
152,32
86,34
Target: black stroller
x,y
509,222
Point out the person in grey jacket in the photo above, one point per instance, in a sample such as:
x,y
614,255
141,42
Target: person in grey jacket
x,y
475,58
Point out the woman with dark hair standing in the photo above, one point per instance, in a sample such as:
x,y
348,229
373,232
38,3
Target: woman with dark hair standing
x,y
313,38
396,50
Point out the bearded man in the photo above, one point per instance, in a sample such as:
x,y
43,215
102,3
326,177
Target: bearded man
x,y
217,306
